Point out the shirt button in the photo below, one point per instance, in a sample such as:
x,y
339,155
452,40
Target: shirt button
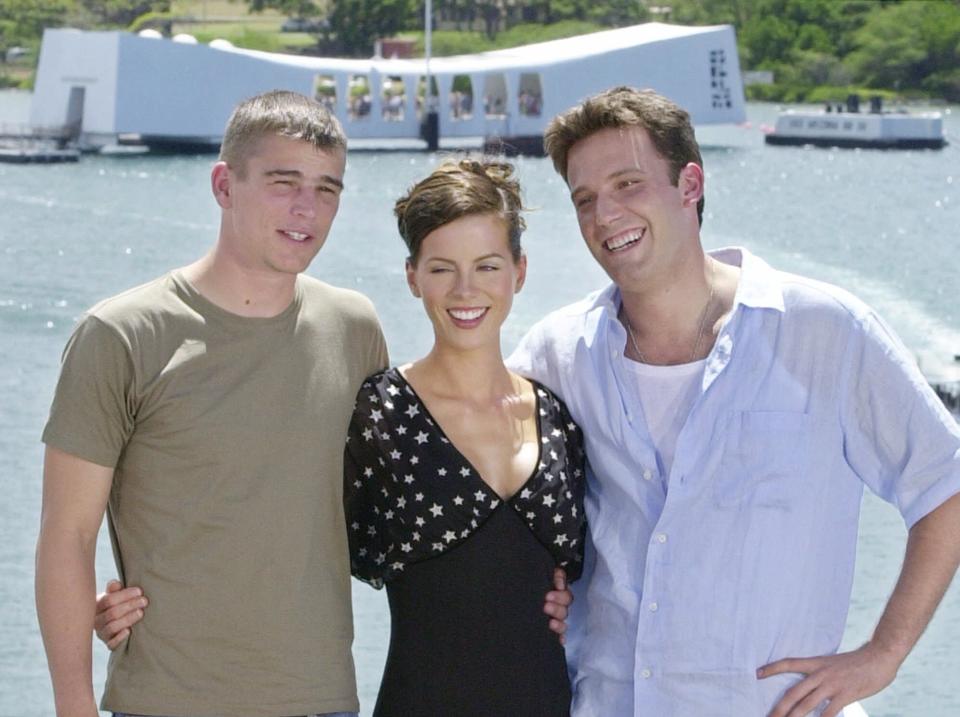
x,y
645,674
653,607
647,474
661,537
615,353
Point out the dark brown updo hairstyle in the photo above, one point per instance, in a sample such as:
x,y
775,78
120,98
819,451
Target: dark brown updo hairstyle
x,y
461,188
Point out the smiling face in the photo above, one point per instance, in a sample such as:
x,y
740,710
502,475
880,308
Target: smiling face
x,y
640,226
466,276
278,207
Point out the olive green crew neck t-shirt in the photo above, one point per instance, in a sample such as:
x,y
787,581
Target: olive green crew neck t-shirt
x,y
226,434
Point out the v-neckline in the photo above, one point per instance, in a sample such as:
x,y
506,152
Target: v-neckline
x,y
446,439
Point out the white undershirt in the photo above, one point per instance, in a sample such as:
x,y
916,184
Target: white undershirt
x,y
666,394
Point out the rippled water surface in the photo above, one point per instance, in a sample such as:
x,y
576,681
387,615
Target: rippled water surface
x,y
882,224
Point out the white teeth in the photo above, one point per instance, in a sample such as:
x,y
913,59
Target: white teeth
x,y
466,314
622,241
297,236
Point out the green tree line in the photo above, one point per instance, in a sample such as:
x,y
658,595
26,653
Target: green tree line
x,y
22,21
904,46
907,46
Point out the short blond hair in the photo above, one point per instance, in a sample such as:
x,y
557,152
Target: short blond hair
x,y
666,123
460,188
278,113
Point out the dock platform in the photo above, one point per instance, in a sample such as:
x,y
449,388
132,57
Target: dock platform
x,y
27,144
37,155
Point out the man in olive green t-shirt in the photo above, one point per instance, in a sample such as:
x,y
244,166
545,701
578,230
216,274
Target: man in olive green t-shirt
x,y
206,412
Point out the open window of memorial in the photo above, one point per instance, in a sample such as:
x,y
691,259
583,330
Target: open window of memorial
x,y
461,98
360,99
495,95
530,95
434,95
393,98
325,91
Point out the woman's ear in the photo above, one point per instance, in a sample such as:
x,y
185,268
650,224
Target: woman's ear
x,y
521,272
412,279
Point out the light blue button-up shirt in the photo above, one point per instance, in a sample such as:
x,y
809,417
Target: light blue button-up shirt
x,y
744,553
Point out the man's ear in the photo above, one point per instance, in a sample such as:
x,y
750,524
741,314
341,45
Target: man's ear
x,y
690,182
221,182
412,279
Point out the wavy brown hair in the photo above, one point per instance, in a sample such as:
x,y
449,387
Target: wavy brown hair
x,y
666,123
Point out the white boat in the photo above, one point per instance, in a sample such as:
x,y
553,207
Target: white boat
x,y
848,127
116,85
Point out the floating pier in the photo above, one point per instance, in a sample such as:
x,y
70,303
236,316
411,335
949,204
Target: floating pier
x,y
27,144
37,155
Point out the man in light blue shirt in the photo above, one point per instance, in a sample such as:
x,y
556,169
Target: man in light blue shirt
x,y
732,416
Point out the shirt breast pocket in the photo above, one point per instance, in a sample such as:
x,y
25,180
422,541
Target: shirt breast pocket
x,y
764,460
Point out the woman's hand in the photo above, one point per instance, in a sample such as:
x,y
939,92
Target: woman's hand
x,y
118,609
557,604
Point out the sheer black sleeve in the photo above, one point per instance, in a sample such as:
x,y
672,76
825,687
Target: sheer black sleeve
x,y
363,498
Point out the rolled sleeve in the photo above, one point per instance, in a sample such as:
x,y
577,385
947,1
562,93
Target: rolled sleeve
x,y
898,436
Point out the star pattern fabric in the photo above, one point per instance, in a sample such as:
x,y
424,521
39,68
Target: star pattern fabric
x,y
410,495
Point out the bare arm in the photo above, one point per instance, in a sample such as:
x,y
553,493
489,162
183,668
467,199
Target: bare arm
x,y
932,557
75,495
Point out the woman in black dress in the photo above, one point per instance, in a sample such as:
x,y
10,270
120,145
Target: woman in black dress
x,y
463,481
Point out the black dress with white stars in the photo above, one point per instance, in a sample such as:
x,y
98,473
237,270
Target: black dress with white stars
x,y
466,572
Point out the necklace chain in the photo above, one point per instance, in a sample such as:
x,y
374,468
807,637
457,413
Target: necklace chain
x,y
703,323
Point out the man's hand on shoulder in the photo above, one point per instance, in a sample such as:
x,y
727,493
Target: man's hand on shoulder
x,y
557,603
838,680
118,609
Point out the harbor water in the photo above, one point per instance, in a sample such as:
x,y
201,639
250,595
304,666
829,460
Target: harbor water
x,y
881,224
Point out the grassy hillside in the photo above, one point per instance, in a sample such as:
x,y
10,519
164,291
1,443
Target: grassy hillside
x,y
232,20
